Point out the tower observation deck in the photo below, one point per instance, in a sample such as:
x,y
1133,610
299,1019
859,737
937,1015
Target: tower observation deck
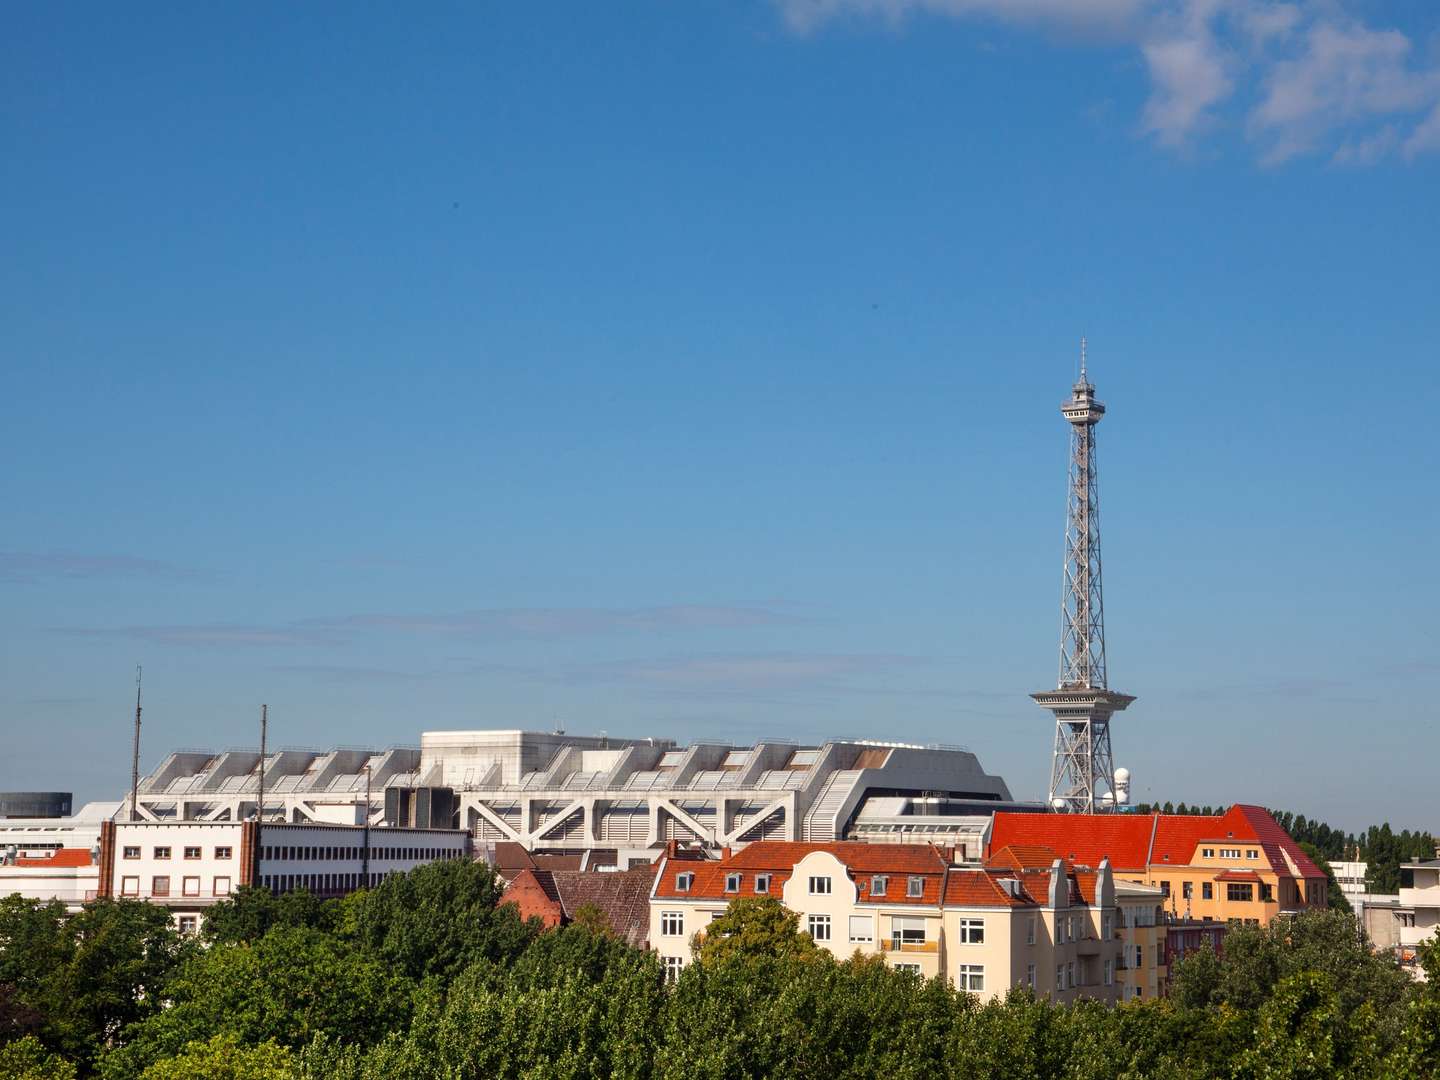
x,y
1082,771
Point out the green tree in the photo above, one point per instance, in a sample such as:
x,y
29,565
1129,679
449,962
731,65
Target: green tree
x,y
27,1059
1257,959
225,1058
79,979
1305,1033
758,926
289,986
250,913
436,920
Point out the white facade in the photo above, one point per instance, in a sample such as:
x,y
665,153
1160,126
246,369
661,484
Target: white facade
x,y
190,866
1419,911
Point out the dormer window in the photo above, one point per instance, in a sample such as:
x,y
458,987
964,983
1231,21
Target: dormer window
x,y
684,881
915,887
878,884
762,883
732,882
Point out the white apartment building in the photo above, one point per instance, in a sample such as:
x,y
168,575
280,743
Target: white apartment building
x,y
985,928
188,866
1418,912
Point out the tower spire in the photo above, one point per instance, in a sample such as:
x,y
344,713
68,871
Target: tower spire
x,y
1082,772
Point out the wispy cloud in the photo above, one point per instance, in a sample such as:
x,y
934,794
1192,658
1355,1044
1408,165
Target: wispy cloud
x,y
1299,78
30,567
492,623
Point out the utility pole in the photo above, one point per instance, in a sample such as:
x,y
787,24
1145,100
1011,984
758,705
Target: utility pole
x,y
365,850
135,754
260,798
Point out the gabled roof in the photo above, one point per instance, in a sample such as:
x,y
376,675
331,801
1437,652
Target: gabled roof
x,y
1023,857
897,863
622,895
965,887
1133,841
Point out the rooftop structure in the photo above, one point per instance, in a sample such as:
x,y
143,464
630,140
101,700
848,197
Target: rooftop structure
x,y
554,792
34,804
300,785
1083,777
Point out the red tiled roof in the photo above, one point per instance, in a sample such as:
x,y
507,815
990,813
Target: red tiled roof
x,y
1237,875
1083,839
622,895
1130,841
895,862
69,856
1024,857
982,888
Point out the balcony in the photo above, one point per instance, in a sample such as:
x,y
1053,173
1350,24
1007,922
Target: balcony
x,y
1420,897
909,946
1087,947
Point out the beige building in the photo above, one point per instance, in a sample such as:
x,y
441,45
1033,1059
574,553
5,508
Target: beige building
x,y
985,929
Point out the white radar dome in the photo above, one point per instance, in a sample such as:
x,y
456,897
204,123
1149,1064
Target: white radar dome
x,y
1122,775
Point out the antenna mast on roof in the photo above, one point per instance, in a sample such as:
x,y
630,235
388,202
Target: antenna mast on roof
x,y
260,802
135,754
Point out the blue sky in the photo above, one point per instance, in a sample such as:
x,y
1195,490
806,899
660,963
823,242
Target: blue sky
x,y
693,370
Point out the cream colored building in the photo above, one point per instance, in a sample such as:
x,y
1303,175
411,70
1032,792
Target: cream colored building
x,y
985,929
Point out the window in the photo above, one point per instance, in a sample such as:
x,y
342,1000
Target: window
x,y
878,884
192,853
762,883
1060,977
909,966
915,887
672,924
970,977
1139,956
819,886
1229,853
222,886
683,881
673,966
862,929
1187,890
1207,891
1070,980
1251,853
162,853
1239,890
1060,931
130,853
160,886
222,852
1107,925
972,931
1165,888
188,924
906,931
1267,893
819,926
1208,853
1030,977
732,882
1109,972
190,886
129,886
1030,931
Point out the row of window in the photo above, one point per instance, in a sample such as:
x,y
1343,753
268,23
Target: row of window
x,y
322,853
1234,890
320,884
1230,853
160,886
163,851
819,885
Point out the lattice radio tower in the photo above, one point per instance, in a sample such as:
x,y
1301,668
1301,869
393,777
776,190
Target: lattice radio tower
x,y
1083,777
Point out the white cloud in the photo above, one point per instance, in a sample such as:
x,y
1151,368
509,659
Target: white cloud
x,y
1425,139
1305,76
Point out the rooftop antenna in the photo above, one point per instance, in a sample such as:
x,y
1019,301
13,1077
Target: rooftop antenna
x,y
1082,358
135,754
264,722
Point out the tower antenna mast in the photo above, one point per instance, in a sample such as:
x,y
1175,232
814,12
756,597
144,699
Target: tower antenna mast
x,y
135,753
1082,770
